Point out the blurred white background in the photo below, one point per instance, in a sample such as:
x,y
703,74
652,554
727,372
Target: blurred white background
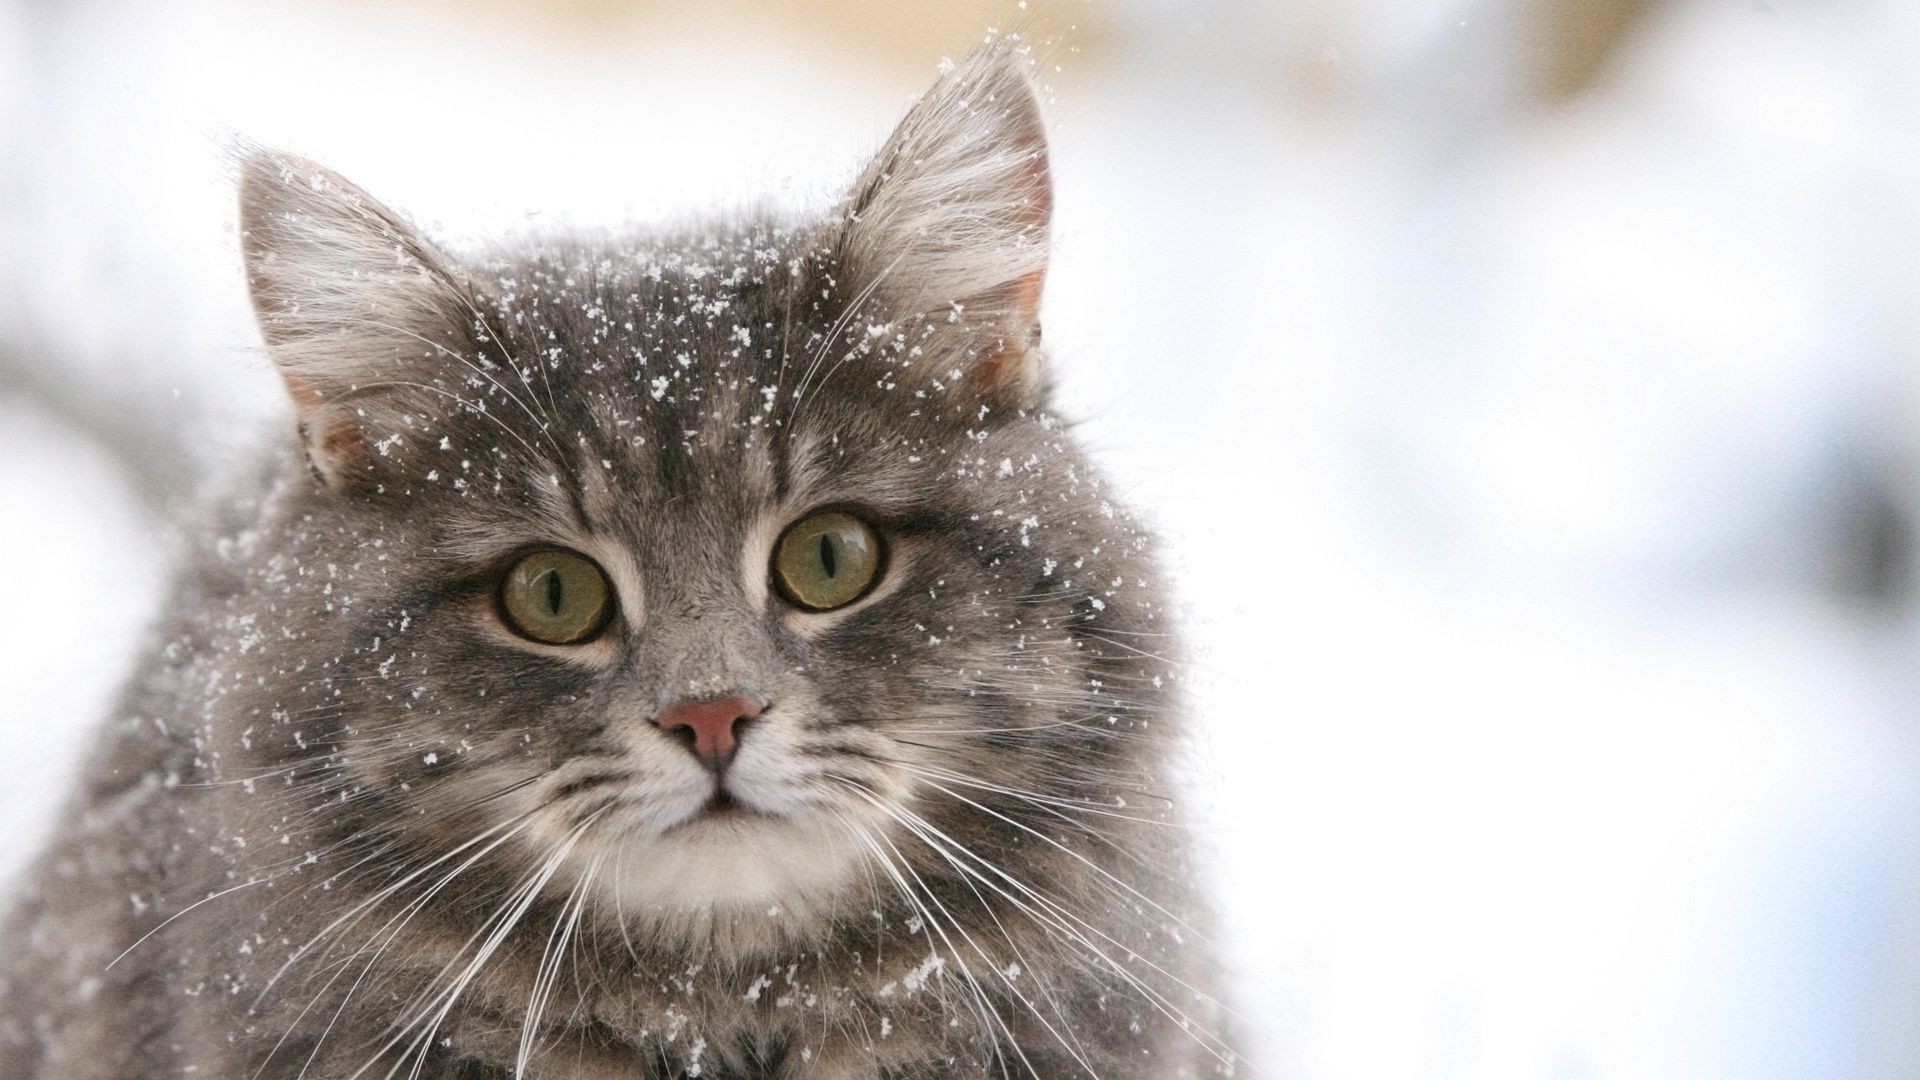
x,y
1527,390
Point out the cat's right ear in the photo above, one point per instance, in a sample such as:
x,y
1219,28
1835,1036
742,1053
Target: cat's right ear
x,y
951,220
358,311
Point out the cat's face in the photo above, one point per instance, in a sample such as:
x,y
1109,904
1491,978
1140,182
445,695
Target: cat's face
x,y
712,568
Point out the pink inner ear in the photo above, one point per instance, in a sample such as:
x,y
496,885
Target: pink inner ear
x,y
1010,371
336,448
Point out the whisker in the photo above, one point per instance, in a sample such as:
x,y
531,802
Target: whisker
x,y
1053,914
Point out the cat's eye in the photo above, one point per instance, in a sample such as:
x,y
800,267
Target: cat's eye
x,y
827,560
556,597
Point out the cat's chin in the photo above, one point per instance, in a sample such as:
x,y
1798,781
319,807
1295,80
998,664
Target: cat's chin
x,y
730,860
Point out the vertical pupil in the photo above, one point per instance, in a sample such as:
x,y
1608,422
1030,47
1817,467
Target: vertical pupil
x,y
827,561
554,592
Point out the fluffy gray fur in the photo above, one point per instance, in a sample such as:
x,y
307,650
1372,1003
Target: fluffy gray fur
x,y
345,824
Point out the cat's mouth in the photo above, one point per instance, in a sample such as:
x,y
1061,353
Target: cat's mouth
x,y
721,807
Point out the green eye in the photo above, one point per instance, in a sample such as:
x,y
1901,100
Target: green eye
x,y
556,597
826,561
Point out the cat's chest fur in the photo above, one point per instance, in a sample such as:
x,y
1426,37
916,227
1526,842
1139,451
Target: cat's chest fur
x,y
354,988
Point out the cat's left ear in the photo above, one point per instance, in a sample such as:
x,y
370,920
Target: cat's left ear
x,y
360,312
951,221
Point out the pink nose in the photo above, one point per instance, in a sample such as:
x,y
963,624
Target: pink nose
x,y
711,723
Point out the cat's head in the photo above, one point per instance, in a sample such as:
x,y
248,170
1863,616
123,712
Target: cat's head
x,y
721,567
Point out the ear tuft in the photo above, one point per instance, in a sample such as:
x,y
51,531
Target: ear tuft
x,y
954,216
356,307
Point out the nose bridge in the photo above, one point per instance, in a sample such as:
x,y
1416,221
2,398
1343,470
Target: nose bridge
x,y
702,645
702,636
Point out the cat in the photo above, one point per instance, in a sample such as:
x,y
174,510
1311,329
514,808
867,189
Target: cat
x,y
693,654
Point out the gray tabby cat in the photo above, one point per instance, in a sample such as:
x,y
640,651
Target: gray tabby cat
x,y
680,655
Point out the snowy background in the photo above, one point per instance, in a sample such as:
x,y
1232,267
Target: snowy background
x,y
1529,391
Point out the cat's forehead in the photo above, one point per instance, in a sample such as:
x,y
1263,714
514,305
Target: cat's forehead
x,y
644,329
653,284
698,372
